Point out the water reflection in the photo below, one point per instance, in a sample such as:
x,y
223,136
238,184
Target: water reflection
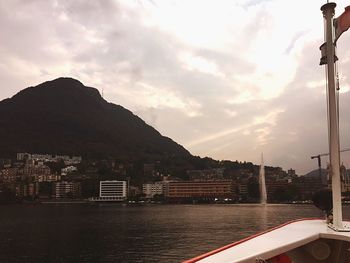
x,y
116,233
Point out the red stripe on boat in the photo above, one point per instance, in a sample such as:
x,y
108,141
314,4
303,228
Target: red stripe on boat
x,y
243,240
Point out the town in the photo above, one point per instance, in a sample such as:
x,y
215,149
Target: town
x,y
54,178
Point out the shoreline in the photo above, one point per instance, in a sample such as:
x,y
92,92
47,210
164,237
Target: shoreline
x,y
138,203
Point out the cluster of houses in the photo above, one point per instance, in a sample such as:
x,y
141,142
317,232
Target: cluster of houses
x,y
30,172
31,177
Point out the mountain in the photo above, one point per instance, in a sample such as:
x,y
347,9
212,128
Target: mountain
x,y
63,116
316,173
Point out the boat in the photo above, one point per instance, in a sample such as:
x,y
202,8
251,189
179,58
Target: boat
x,y
304,240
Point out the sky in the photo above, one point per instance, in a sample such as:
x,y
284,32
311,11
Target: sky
x,y
225,79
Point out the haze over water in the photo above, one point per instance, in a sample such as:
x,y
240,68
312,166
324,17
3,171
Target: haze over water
x,y
119,233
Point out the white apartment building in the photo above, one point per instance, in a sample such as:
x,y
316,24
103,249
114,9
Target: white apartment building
x,y
152,189
113,190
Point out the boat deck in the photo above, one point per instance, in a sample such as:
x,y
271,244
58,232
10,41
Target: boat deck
x,y
273,242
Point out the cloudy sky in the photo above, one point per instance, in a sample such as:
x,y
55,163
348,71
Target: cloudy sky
x,y
226,79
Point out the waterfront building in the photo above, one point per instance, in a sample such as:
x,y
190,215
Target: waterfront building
x,y
204,190
65,189
152,189
242,189
24,190
113,190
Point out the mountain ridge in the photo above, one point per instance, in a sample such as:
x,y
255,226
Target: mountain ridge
x,y
62,116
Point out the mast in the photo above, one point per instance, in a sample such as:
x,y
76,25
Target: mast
x,y
262,183
328,13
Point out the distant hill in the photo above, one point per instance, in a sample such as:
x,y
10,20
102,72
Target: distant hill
x,y
63,116
315,173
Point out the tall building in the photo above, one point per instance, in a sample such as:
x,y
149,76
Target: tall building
x,y
25,190
67,189
150,190
204,190
113,190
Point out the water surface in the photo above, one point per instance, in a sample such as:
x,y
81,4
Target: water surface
x,y
120,233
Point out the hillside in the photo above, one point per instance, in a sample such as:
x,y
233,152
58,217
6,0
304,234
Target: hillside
x,y
63,116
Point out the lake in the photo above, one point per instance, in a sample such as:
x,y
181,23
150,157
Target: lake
x,y
121,233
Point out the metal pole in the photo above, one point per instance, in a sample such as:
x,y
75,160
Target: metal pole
x,y
320,170
328,13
